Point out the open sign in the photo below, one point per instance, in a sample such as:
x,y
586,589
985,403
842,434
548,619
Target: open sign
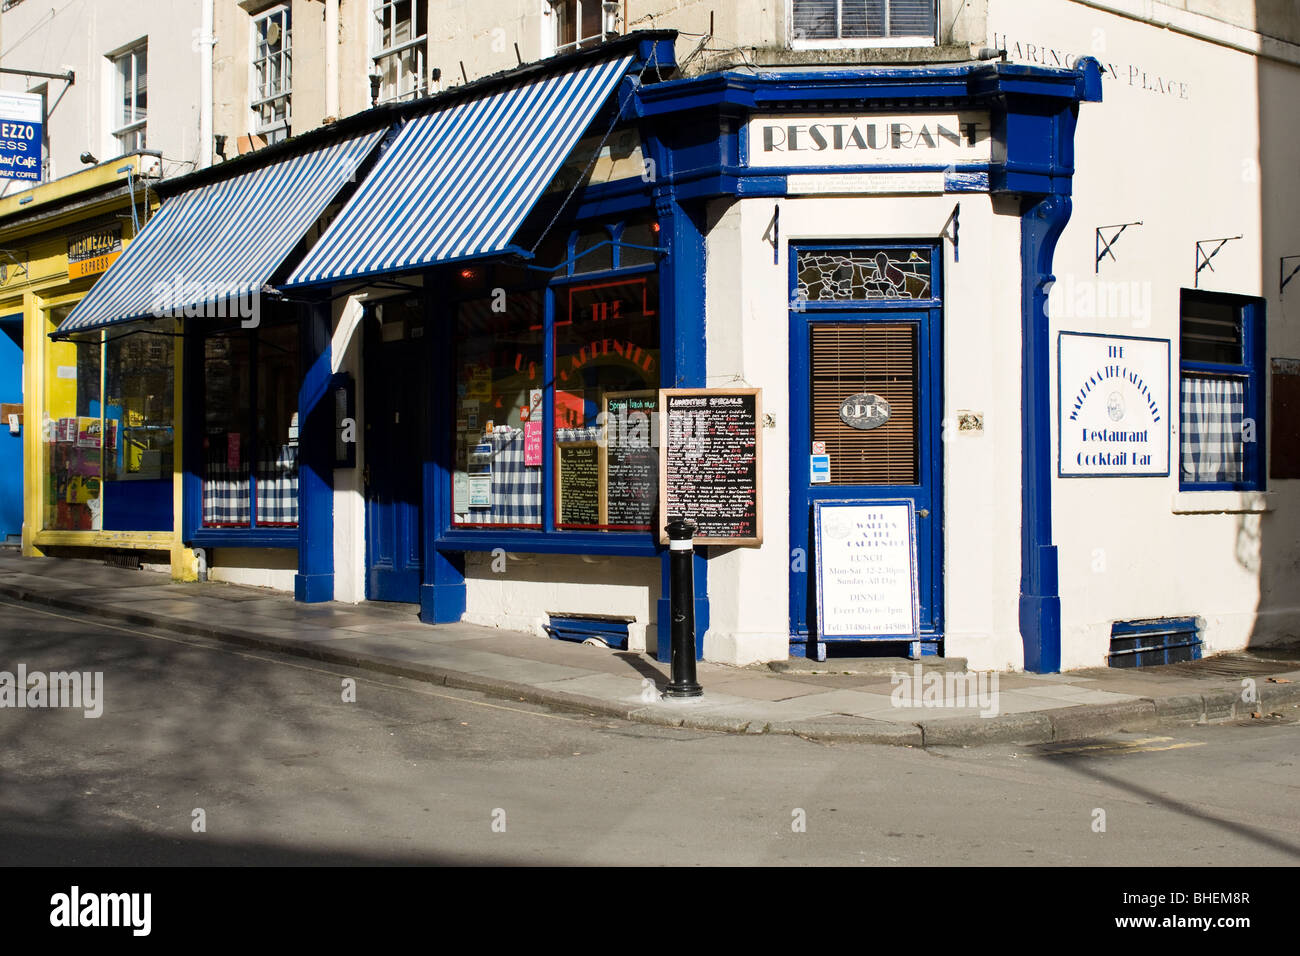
x,y
864,411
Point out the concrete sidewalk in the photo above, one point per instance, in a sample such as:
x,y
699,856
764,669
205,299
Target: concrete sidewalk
x,y
844,699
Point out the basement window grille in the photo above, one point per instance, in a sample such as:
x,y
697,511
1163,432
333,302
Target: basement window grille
x,y
1153,642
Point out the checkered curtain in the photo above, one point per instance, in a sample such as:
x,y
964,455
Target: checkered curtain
x,y
516,488
225,494
1212,412
277,485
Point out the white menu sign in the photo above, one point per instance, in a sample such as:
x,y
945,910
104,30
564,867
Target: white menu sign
x,y
866,569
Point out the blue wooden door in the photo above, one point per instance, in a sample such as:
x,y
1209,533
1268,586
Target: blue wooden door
x,y
396,439
890,350
11,446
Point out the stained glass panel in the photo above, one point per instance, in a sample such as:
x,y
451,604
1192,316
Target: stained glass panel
x,y
833,275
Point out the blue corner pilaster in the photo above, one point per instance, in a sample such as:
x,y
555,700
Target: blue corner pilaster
x,y
1040,601
442,589
314,581
681,343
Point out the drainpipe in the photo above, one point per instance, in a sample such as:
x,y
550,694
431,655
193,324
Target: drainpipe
x,y
331,60
206,42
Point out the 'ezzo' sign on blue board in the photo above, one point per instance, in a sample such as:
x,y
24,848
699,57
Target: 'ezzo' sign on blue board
x,y
21,118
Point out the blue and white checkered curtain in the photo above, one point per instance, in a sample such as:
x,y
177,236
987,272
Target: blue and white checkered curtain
x,y
516,487
225,494
277,487
1212,413
227,497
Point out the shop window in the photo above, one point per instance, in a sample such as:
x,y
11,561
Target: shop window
x,y
498,475
863,22
878,361
1221,339
131,74
398,48
846,275
109,421
272,79
604,350
250,433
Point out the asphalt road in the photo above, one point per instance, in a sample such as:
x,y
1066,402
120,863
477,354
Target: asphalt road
x,y
285,770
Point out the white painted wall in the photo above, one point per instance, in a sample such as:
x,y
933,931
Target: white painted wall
x,y
523,588
1214,159
747,316
82,35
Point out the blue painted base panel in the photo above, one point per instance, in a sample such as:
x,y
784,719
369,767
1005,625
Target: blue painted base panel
x,y
442,603
313,588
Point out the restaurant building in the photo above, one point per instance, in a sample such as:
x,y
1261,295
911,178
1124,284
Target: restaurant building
x,y
415,343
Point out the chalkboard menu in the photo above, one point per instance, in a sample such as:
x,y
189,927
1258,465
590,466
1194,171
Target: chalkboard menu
x,y
579,479
710,463
631,459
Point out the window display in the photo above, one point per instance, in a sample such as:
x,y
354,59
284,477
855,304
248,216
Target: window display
x,y
108,418
598,467
498,475
250,438
606,377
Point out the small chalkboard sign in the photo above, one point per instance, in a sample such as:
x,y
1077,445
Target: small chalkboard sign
x,y
710,463
631,459
579,482
865,553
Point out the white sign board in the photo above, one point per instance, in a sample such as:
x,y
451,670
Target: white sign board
x,y
1114,406
866,569
930,139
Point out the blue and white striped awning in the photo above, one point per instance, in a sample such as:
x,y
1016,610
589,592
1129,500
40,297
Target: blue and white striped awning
x,y
218,245
458,182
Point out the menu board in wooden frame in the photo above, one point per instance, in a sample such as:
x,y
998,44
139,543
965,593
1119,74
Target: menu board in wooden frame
x,y
579,485
711,463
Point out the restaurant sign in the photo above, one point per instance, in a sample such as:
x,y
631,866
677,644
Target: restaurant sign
x,y
92,252
1114,406
927,139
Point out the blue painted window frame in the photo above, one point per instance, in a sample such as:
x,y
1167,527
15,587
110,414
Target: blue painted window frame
x,y
548,539
1250,370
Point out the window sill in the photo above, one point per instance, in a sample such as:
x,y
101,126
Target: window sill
x,y
1221,502
521,541
244,538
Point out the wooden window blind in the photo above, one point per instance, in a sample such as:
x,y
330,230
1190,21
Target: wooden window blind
x,y
878,359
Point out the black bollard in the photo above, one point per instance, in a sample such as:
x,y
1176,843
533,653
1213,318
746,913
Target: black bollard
x,y
681,603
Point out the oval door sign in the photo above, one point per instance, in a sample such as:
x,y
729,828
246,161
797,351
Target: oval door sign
x,y
864,411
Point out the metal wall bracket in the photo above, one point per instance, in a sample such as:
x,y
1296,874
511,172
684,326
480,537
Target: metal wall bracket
x,y
1203,260
1283,275
954,221
1102,245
